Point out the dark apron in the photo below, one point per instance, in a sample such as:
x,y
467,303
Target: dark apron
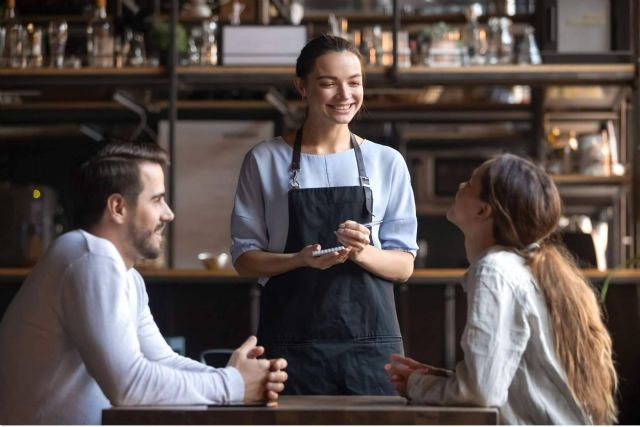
x,y
336,327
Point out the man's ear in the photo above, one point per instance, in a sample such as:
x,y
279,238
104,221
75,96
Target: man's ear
x,y
117,208
299,84
485,211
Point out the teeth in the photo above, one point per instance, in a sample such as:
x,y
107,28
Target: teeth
x,y
342,107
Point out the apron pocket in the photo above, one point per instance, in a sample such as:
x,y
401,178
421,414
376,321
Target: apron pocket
x,y
379,339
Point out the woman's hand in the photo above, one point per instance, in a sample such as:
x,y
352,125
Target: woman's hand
x,y
353,236
402,367
322,262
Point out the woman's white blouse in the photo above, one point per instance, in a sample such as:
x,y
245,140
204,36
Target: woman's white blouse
x,y
509,357
260,219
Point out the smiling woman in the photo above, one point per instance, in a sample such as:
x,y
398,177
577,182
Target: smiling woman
x,y
333,315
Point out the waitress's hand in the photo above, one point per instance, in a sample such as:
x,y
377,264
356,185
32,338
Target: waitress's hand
x,y
322,262
354,236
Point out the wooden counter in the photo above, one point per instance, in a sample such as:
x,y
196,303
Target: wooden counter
x,y
306,410
420,275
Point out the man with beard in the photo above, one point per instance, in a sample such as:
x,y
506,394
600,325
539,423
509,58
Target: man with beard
x,y
79,336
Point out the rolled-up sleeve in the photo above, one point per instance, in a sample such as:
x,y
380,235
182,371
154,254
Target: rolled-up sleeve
x,y
400,226
248,227
495,337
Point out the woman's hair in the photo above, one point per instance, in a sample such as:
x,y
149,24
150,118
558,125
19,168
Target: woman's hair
x,y
113,169
527,207
319,46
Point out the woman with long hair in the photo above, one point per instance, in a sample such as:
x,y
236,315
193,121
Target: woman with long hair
x,y
326,219
535,344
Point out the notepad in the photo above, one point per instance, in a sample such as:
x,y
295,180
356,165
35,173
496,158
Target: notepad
x,y
327,251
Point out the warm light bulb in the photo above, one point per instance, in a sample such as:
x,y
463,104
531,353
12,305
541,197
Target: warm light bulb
x,y
36,193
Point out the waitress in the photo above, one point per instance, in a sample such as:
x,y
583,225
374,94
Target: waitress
x,y
331,316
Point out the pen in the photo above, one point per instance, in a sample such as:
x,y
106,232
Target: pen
x,y
372,223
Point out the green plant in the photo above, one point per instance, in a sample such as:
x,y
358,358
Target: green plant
x,y
605,285
161,36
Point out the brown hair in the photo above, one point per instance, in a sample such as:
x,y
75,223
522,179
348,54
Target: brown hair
x,y
527,208
319,46
113,170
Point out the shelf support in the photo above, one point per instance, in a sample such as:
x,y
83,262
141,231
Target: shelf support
x,y
635,131
395,27
173,118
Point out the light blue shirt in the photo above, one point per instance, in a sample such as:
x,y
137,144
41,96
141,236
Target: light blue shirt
x,y
509,350
260,219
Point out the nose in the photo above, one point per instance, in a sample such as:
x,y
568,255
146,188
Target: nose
x,y
167,214
343,91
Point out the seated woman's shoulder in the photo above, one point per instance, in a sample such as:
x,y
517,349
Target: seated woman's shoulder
x,y
503,263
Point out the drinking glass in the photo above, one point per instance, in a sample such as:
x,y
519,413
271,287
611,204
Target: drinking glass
x,y
57,33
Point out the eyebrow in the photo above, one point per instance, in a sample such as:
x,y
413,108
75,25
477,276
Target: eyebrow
x,y
158,195
335,78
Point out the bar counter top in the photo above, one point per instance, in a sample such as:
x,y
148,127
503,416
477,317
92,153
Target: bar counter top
x,y
420,275
306,410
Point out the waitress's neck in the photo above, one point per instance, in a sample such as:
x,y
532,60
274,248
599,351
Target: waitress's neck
x,y
324,139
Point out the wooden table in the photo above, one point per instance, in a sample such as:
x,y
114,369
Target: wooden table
x,y
306,410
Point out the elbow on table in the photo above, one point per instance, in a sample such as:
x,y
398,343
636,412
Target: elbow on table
x,y
243,270
487,399
119,398
126,392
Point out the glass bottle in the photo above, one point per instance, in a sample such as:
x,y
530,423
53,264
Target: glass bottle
x,y
100,37
474,37
12,38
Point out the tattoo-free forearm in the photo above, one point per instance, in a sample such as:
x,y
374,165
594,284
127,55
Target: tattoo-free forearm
x,y
266,264
393,265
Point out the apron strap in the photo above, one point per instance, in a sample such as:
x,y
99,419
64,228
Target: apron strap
x,y
295,161
362,172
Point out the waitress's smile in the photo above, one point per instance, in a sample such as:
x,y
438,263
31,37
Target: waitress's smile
x,y
343,110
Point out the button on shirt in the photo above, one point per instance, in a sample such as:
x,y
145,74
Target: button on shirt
x,y
509,357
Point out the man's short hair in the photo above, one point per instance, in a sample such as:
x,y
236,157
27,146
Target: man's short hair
x,y
114,169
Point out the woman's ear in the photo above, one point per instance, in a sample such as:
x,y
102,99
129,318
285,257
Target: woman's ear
x,y
485,211
117,208
299,84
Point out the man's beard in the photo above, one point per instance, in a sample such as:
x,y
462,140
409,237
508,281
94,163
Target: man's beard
x,y
142,241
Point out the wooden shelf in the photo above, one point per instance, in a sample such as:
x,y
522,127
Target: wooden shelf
x,y
590,180
423,75
420,275
20,78
256,75
519,74
364,18
283,75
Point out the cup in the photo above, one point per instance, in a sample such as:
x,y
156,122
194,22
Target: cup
x,y
217,261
